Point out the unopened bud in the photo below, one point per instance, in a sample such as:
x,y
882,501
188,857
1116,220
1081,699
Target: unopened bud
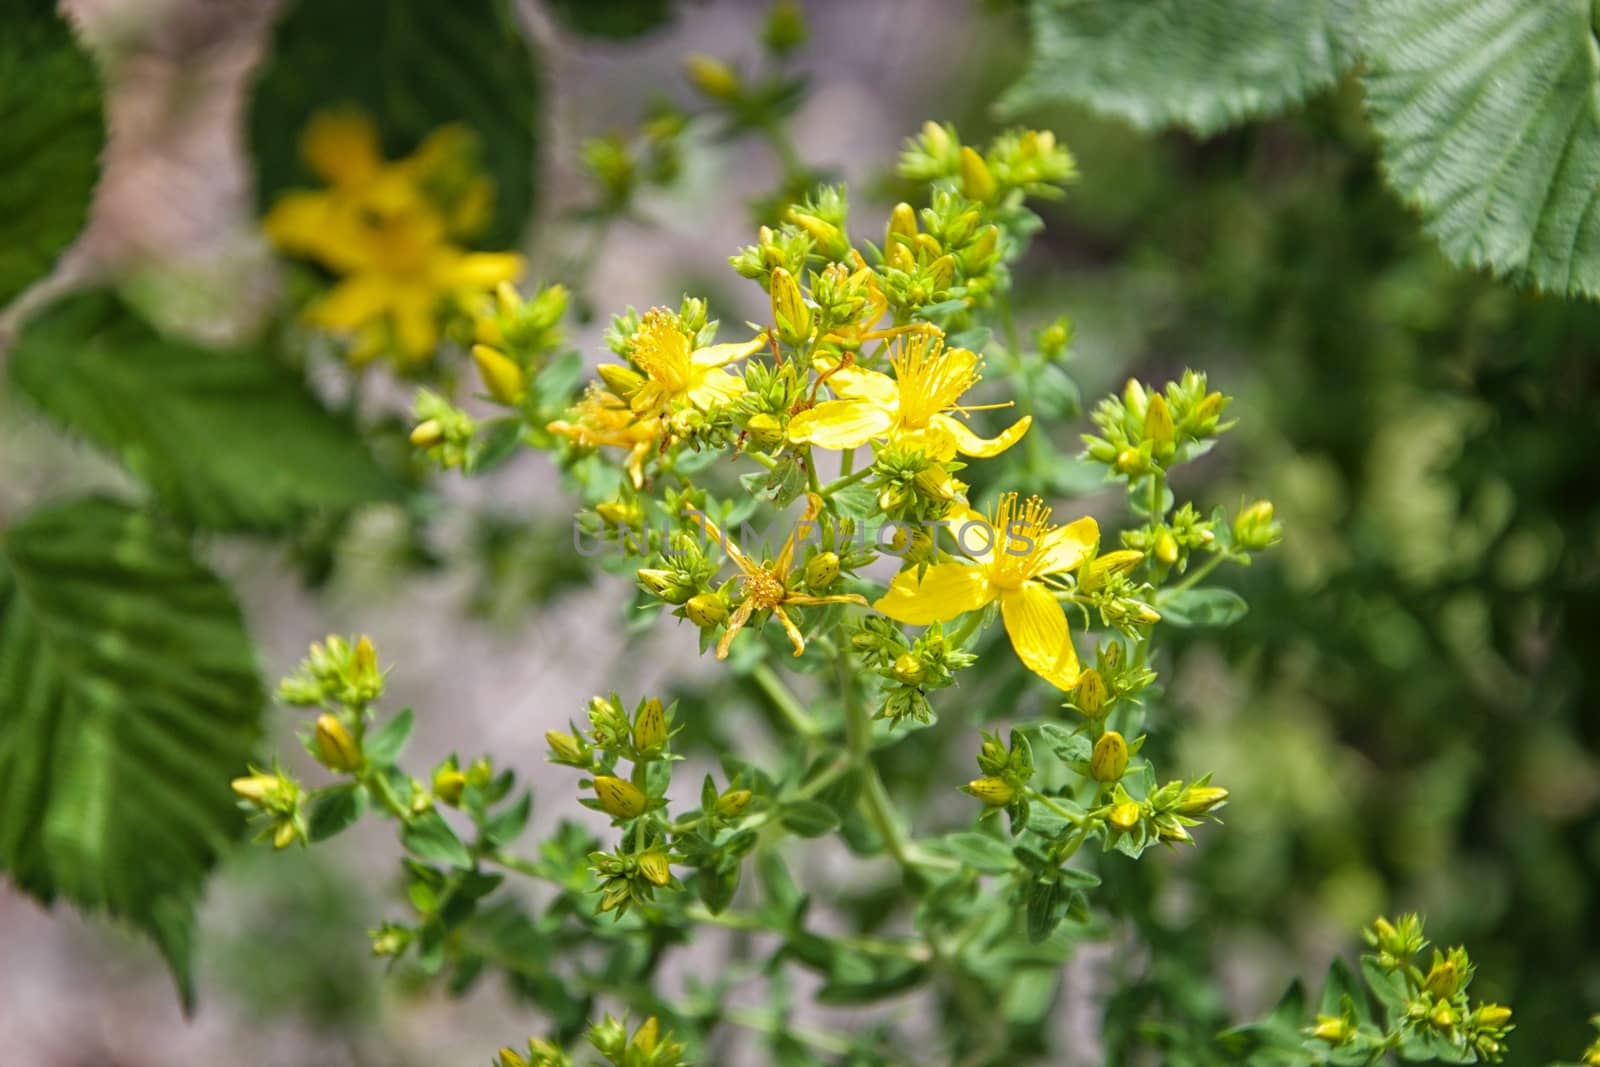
x,y
1166,548
712,77
976,181
1443,979
1131,461
665,585
1105,567
618,513
789,309
1443,1016
734,801
902,225
765,430
992,790
1110,757
1158,428
427,433
1200,799
565,747
821,571
654,866
909,670
1491,1016
336,749
505,380
650,726
623,382
618,798
1090,694
255,788
510,1058
449,783
706,610
1254,527
1125,816
1333,1029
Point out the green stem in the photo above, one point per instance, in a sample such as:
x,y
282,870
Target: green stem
x,y
1158,486
848,479
785,702
871,946
875,802
1193,578
1049,802
847,464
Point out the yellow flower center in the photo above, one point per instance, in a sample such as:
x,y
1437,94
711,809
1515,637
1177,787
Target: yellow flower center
x,y
930,378
662,351
764,589
1019,536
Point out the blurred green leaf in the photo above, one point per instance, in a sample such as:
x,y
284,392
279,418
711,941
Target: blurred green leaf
x,y
1203,64
1490,129
128,698
336,810
808,818
51,112
980,852
1211,606
413,66
614,19
428,837
226,438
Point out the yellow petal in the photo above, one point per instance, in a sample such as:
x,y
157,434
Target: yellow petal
x,y
298,222
854,383
1064,547
1037,626
974,535
970,444
839,424
715,387
341,147
416,332
945,591
485,270
718,355
351,304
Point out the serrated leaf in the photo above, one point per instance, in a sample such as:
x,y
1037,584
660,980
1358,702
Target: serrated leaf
x,y
413,66
1203,64
226,438
51,108
1490,129
1210,606
128,699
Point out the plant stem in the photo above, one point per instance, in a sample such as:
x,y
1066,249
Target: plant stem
x,y
1193,578
785,702
1049,802
847,480
875,801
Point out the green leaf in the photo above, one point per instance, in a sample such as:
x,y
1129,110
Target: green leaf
x,y
1490,129
387,742
428,837
226,438
51,112
506,825
615,19
980,852
1210,606
336,810
1203,64
413,66
808,818
128,699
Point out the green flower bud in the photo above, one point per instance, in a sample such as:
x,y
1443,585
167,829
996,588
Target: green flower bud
x,y
909,670
821,571
1110,757
706,610
618,798
733,802
992,790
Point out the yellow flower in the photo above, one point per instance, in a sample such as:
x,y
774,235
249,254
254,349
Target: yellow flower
x,y
601,419
1010,555
766,585
913,408
676,374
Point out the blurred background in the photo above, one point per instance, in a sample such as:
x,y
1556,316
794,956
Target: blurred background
x,y
1407,717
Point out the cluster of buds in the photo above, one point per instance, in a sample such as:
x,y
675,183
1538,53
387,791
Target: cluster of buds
x,y
621,166
1254,528
540,1053
336,672
450,781
614,734
647,1047
913,487
513,336
1017,163
1172,542
443,431
1145,430
682,572
627,879
1006,772
276,801
1165,815
910,668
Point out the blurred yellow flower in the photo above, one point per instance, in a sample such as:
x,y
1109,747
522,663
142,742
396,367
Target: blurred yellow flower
x,y
390,230
1010,554
914,408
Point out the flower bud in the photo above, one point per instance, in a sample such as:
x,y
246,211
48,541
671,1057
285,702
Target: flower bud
x,y
654,866
786,27
510,1058
505,380
1333,1029
1126,816
909,670
427,433
706,610
623,382
1110,757
1158,427
256,788
1131,461
1491,1017
1102,568
821,571
733,802
712,77
1254,528
1443,1016
618,513
789,309
650,726
765,430
336,749
565,747
976,181
618,798
1166,548
1200,799
665,585
902,225
1090,694
1443,978
449,783
285,834
993,791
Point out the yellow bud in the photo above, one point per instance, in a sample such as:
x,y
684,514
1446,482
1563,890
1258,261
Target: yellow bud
x,y
706,610
734,801
504,379
507,300
1110,565
1158,428
336,749
902,225
976,181
1126,816
510,1058
284,835
765,430
653,865
618,513
1442,979
1110,757
1197,800
427,433
564,746
993,791
256,787
623,382
366,655
908,669
1491,1016
1331,1028
938,483
1443,1016
448,784
712,77
830,240
821,570
1166,549
937,139
1090,694
942,272
650,727
1130,461
789,310
619,798
648,1034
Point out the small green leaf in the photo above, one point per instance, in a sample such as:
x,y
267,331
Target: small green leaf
x,y
614,20
385,744
1203,64
1490,129
226,438
717,886
336,810
51,109
1070,746
980,851
808,818
1208,606
1046,902
429,838
506,825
